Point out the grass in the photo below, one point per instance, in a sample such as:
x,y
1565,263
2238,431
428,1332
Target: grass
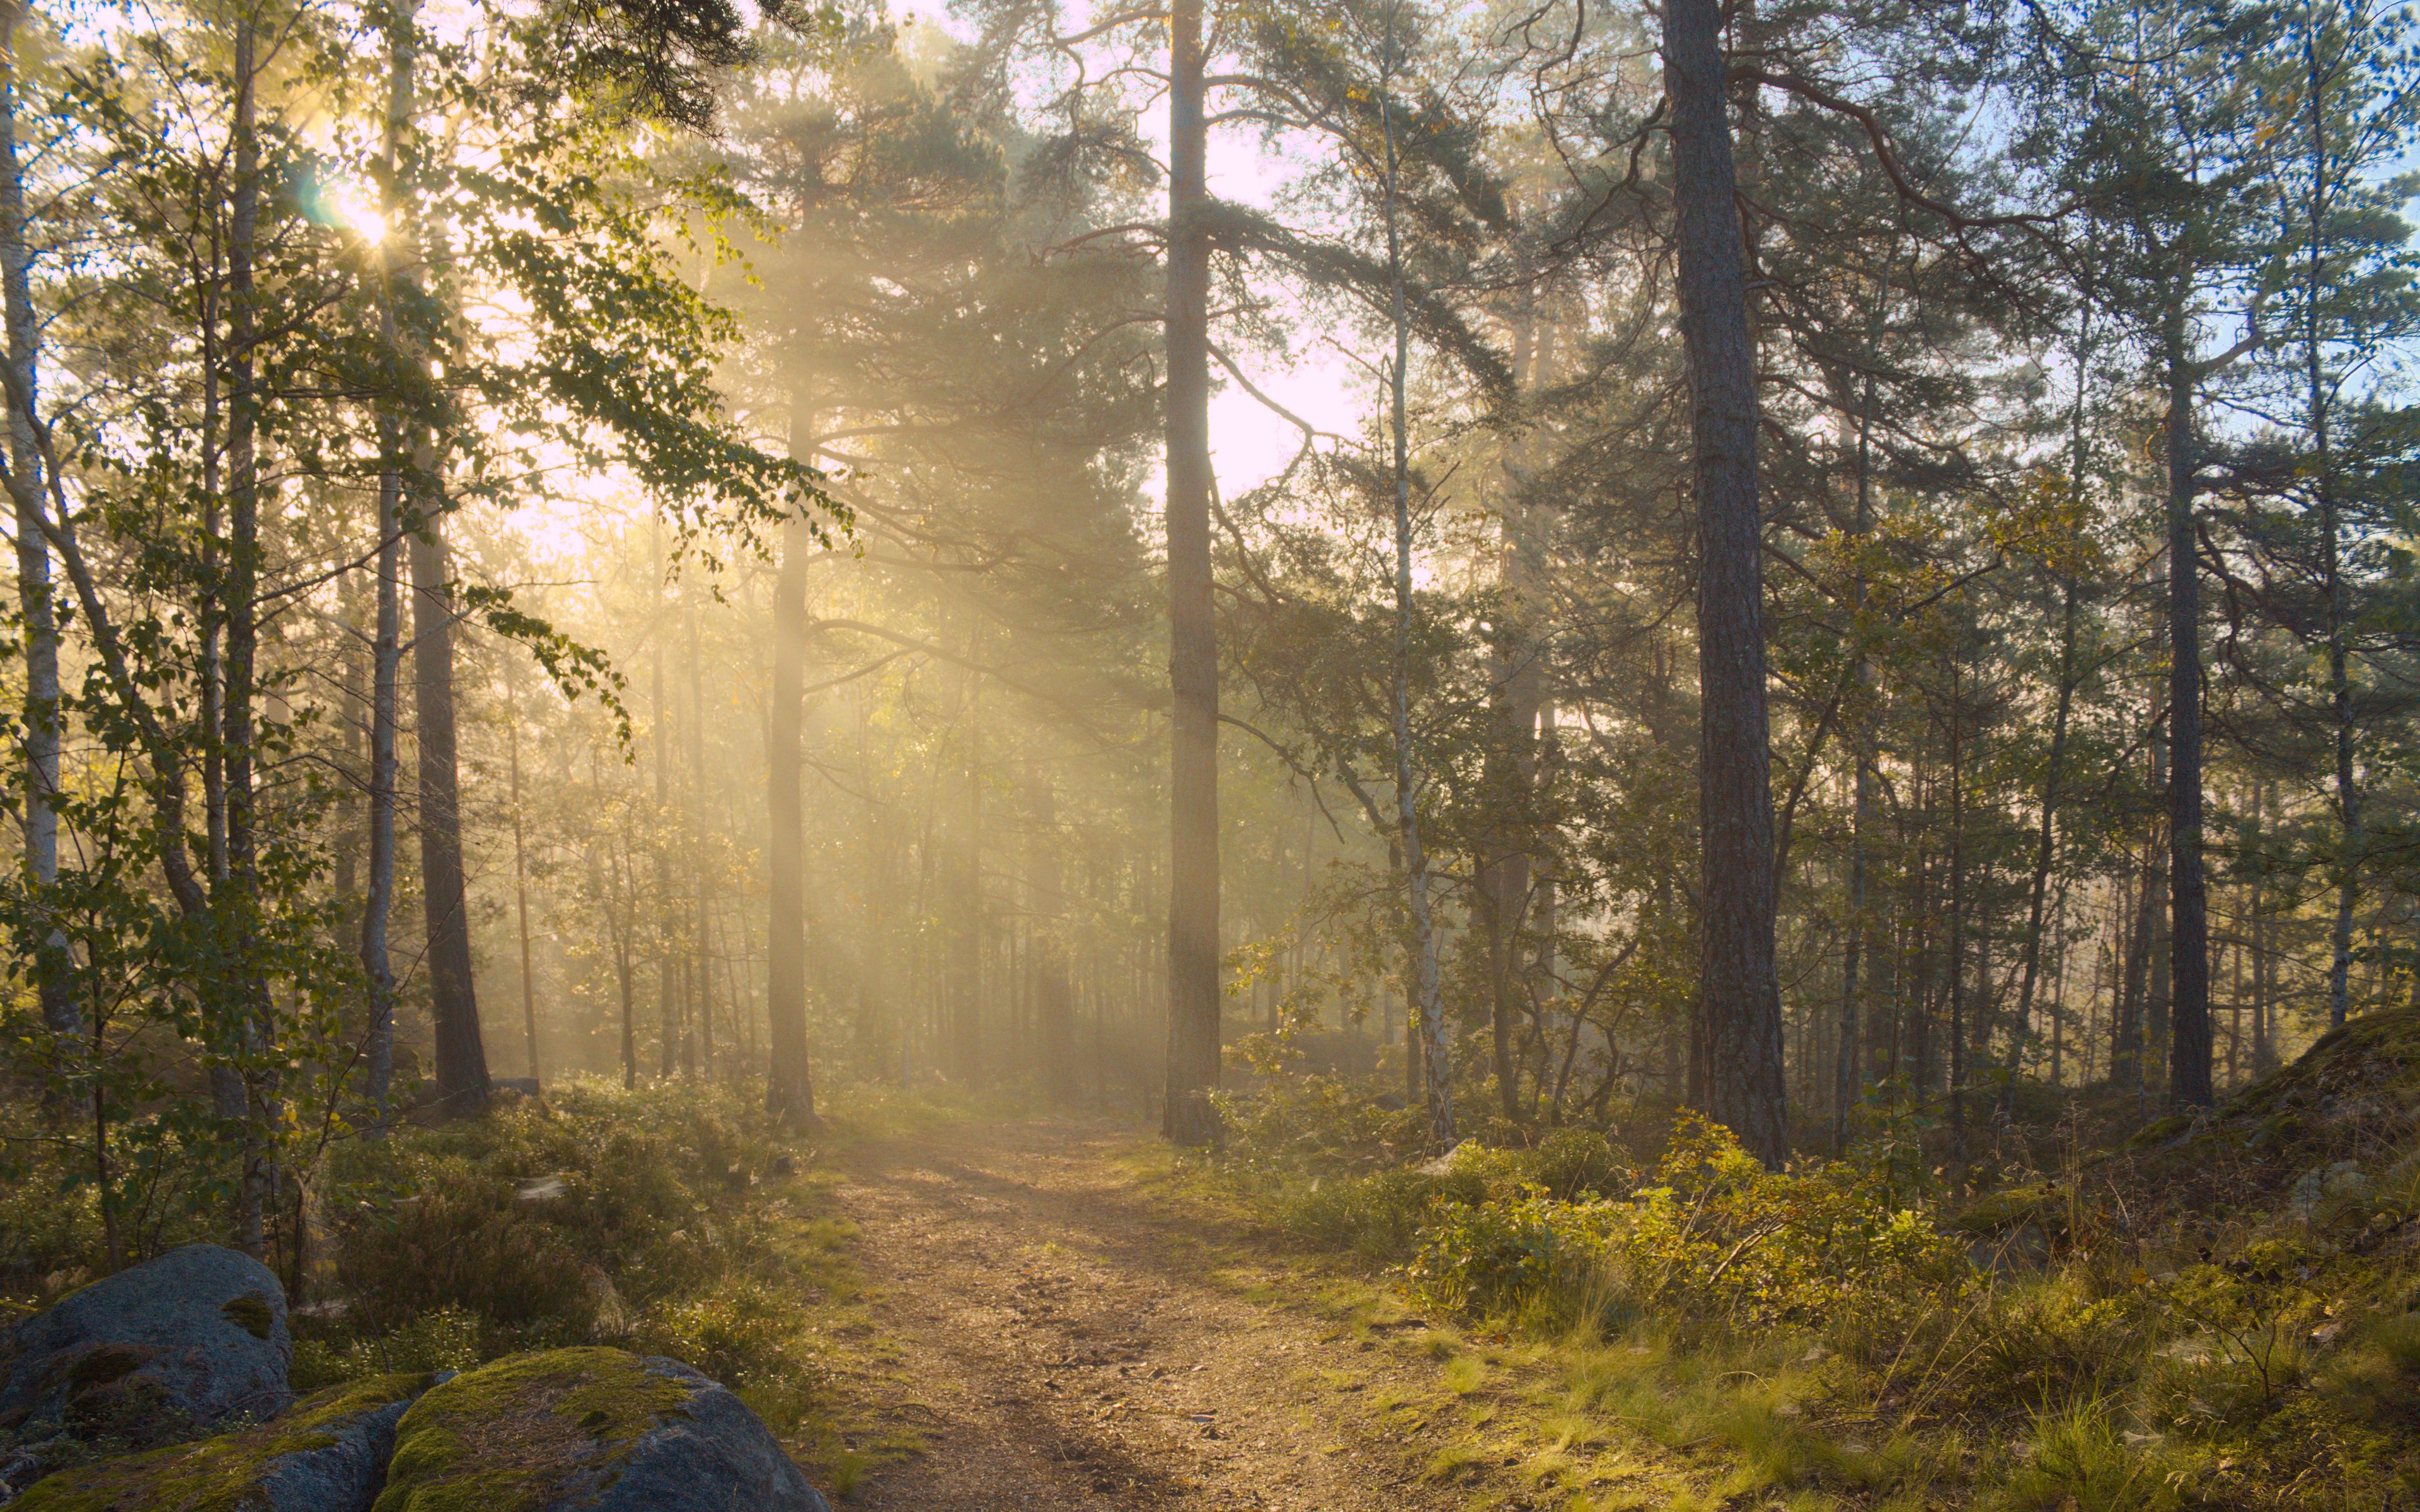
x,y
685,1226
673,1220
2198,1339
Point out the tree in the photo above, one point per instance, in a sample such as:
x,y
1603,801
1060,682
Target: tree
x,y
1740,1005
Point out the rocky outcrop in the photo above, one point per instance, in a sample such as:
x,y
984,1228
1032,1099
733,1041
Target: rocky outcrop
x,y
194,1338
598,1430
329,1454
154,1355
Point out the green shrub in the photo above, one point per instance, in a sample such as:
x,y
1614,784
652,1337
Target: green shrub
x,y
1718,1237
1319,1124
1379,1217
445,1338
1533,1255
1573,1163
2054,1340
744,1334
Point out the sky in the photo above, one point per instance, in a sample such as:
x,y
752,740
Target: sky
x,y
1248,444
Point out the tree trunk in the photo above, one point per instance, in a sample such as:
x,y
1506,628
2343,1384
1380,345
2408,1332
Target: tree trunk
x,y
2262,972
697,790
2045,828
963,1050
1515,699
520,888
55,966
1053,1020
236,735
1957,1057
2317,278
667,958
386,644
386,660
790,1093
1740,1004
1408,778
1193,1006
1848,1083
2189,1037
461,1056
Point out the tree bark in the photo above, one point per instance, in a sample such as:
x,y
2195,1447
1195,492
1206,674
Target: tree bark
x,y
2189,1036
667,958
521,887
2316,282
237,892
1957,1057
377,899
963,1050
1408,776
55,968
1053,1013
790,1093
697,790
1740,1001
1848,1078
386,643
1193,1006
461,1055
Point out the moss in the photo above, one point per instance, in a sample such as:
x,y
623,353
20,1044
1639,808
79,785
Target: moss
x,y
509,1436
102,1366
2159,1131
2012,1207
250,1313
216,1474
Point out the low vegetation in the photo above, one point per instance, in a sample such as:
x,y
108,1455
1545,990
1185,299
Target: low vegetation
x,y
672,1221
2223,1313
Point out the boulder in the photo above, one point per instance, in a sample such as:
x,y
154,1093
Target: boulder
x,y
153,1353
327,1453
598,1430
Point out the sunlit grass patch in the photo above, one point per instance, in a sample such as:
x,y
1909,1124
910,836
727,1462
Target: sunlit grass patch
x,y
1465,1459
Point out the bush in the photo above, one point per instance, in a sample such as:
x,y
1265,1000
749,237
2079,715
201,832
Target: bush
x,y
1321,1124
596,1216
1535,1256
1379,1217
1720,1239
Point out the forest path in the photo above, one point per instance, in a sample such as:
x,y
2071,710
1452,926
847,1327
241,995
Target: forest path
x,y
1067,1337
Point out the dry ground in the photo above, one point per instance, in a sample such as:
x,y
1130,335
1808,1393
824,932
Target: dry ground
x,y
1068,1338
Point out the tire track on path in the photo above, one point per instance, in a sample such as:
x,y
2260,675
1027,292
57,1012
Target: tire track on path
x,y
1063,1344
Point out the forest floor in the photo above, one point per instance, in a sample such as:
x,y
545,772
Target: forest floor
x,y
1070,1321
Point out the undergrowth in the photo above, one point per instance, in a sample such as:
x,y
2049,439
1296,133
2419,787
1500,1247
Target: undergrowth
x,y
674,1219
2125,1331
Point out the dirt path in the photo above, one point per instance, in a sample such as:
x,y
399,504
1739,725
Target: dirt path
x,y
1066,1344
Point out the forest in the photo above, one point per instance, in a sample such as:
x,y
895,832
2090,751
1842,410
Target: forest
x,y
1180,754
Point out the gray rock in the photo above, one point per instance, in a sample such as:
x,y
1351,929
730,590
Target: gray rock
x,y
193,1338
714,1454
346,1474
2345,1179
597,1429
329,1454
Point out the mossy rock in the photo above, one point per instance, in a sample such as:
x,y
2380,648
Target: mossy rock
x,y
2354,1094
173,1347
327,1453
2163,1132
598,1430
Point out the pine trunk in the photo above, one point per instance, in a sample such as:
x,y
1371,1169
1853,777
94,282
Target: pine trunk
x,y
1740,1004
1193,1006
461,1056
790,1093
